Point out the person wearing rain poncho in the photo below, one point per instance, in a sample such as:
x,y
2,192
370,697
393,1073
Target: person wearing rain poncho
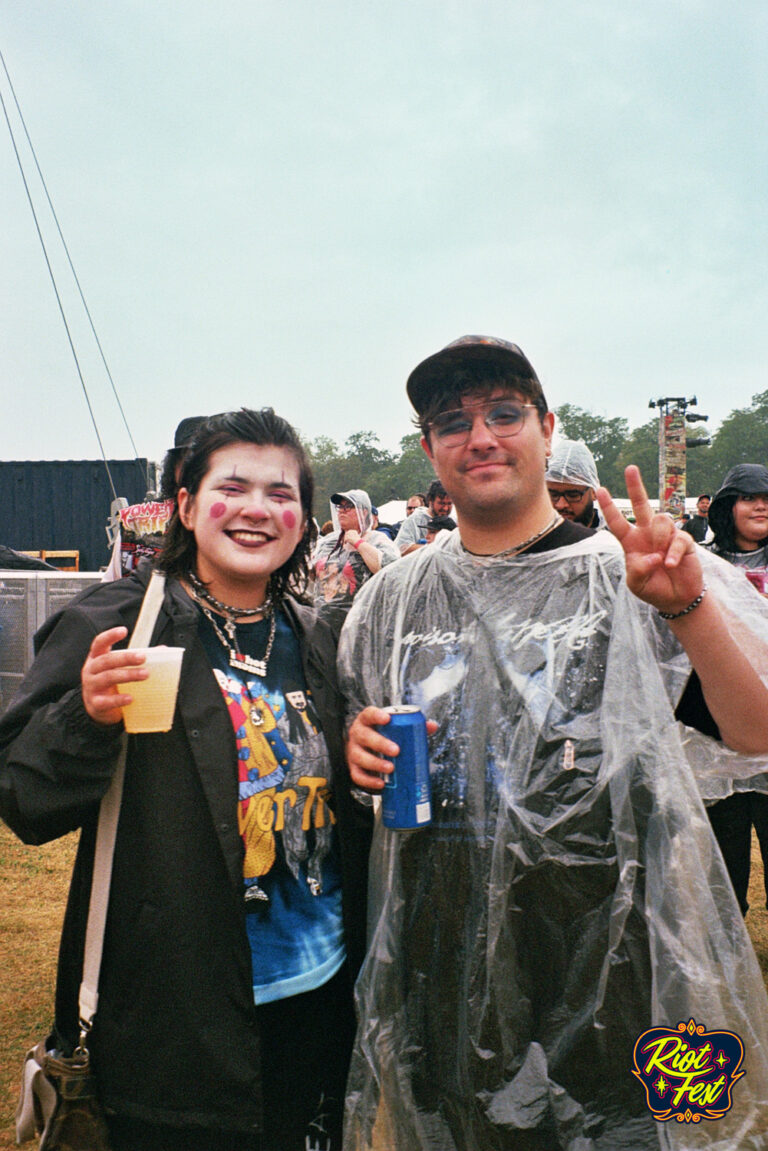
x,y
568,894
413,529
739,519
572,482
347,558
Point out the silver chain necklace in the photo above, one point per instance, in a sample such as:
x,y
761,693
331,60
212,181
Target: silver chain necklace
x,y
556,520
239,660
202,593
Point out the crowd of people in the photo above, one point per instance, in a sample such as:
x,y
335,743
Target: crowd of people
x,y
283,973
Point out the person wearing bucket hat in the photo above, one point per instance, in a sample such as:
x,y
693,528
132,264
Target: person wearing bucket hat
x,y
348,556
567,892
738,516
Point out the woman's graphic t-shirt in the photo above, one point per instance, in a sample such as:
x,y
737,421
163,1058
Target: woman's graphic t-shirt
x,y
291,867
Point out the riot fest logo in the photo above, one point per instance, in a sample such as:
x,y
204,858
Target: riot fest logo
x,y
688,1073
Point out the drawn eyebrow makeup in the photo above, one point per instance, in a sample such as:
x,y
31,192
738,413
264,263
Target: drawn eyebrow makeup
x,y
282,483
285,485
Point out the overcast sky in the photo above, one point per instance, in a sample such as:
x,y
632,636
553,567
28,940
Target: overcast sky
x,y
293,203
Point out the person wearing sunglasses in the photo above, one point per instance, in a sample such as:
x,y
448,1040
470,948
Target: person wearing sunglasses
x,y
414,502
572,482
348,556
568,893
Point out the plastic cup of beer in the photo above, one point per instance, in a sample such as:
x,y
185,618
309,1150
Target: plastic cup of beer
x,y
154,698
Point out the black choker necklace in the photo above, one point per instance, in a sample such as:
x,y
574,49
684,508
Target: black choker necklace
x,y
231,613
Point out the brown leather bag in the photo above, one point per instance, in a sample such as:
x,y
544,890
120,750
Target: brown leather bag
x,y
58,1102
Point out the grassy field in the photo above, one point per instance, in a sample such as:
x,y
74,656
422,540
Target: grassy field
x,y
34,882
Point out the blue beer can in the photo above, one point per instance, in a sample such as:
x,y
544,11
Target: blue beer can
x,y
405,800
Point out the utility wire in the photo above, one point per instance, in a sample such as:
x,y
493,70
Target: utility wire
x,y
145,477
74,274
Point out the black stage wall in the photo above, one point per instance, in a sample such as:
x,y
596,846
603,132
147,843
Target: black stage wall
x,y
64,504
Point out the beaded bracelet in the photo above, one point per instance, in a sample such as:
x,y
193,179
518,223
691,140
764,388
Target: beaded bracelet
x,y
693,604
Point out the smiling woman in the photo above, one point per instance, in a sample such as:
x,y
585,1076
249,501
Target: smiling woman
x,y
738,516
750,520
246,518
236,916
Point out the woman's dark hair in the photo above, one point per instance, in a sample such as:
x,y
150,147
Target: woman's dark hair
x,y
245,426
168,473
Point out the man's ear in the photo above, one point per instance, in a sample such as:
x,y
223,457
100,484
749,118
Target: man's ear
x,y
548,426
425,445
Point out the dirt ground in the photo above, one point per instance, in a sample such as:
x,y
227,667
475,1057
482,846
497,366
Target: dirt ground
x,y
33,886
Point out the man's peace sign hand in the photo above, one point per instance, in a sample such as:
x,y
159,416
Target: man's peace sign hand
x,y
663,567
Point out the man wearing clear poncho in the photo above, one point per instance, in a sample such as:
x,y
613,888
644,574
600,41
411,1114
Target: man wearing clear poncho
x,y
569,894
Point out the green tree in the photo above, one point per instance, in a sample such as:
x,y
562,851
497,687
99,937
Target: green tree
x,y
411,472
364,446
605,438
742,438
701,470
365,464
326,464
641,448
362,464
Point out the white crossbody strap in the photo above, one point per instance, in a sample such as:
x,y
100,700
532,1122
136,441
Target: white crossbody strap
x,y
106,833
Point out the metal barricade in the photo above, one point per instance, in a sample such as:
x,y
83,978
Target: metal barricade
x,y
27,598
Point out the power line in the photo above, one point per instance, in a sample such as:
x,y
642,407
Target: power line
x,y
74,274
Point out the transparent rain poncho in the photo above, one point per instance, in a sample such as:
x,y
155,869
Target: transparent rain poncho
x,y
569,894
571,462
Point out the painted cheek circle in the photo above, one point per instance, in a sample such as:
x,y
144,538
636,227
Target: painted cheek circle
x,y
217,510
289,518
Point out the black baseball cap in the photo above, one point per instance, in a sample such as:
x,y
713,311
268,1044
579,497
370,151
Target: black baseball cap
x,y
433,375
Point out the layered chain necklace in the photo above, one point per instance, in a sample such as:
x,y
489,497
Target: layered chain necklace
x,y
238,660
202,593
